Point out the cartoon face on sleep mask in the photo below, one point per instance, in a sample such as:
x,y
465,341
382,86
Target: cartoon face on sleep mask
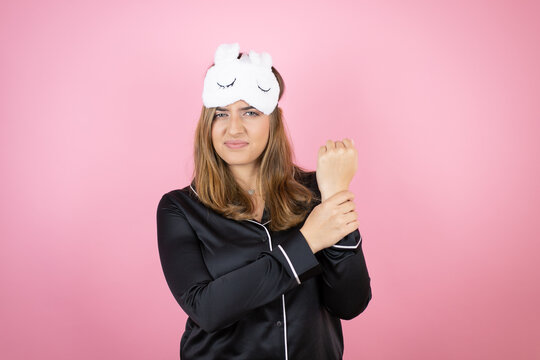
x,y
249,78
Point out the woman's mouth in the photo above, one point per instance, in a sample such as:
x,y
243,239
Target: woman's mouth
x,y
235,144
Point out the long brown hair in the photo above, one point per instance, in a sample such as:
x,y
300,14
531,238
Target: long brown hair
x,y
286,198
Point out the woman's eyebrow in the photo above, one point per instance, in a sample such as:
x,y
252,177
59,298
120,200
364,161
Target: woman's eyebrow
x,y
244,108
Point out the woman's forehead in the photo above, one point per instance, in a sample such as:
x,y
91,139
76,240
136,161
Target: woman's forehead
x,y
240,104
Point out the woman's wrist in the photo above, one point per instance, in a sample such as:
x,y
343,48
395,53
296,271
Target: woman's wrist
x,y
327,193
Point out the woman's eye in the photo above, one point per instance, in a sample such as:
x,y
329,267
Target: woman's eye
x,y
248,113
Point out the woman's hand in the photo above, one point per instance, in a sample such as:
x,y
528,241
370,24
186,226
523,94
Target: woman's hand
x,y
336,165
330,221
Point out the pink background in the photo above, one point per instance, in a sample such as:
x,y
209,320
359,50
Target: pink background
x,y
98,104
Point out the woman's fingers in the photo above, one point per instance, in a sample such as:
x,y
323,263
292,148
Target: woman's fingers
x,y
348,206
348,142
341,197
345,144
330,145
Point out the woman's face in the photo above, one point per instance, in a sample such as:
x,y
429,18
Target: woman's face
x,y
240,133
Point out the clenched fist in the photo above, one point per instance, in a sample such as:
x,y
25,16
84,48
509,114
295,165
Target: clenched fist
x,y
336,165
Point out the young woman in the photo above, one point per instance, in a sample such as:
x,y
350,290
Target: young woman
x,y
263,256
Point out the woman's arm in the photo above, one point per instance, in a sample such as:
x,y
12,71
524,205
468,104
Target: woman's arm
x,y
217,303
345,282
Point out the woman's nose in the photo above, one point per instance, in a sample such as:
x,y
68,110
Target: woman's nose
x,y
235,124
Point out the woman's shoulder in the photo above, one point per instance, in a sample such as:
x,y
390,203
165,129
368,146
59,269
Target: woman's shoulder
x,y
304,175
307,178
181,197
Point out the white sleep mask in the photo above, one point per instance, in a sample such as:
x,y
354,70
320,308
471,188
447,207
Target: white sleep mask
x,y
249,78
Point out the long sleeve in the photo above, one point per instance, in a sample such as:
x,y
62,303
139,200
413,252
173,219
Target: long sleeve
x,y
217,303
345,281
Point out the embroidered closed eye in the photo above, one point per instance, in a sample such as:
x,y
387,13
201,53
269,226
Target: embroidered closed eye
x,y
263,89
226,86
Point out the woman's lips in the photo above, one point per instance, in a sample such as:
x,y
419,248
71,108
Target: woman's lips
x,y
235,144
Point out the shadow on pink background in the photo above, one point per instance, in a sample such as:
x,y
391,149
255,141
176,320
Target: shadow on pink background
x,y
98,106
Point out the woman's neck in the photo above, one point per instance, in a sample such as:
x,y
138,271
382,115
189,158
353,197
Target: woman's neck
x,y
246,177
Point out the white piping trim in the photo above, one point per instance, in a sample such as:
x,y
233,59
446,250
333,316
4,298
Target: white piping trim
x,y
282,295
348,246
284,325
267,233
290,264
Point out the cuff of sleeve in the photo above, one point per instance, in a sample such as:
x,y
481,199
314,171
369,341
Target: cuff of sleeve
x,y
297,257
349,242
350,245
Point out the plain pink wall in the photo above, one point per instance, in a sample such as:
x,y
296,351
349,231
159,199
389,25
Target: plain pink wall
x,y
98,104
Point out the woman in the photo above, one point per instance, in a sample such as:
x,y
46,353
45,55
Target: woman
x,y
263,256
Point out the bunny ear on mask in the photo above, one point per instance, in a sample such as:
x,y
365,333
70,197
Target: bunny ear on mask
x,y
249,78
226,52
